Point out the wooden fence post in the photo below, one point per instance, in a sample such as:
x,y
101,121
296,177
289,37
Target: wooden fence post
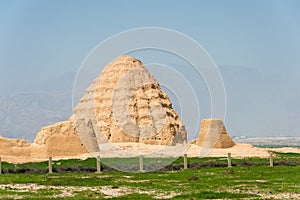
x,y
185,161
50,165
229,160
141,161
271,159
98,164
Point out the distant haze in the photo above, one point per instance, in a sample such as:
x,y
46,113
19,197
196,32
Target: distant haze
x,y
256,45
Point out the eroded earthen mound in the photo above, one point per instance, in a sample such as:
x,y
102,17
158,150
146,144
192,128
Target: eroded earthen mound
x,y
14,147
124,104
59,139
213,134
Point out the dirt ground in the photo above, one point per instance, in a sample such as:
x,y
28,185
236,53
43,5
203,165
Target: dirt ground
x,y
135,149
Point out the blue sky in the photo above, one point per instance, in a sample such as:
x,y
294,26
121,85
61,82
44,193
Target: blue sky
x,y
40,40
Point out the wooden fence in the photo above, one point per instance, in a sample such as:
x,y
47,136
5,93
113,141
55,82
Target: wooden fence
x,y
141,163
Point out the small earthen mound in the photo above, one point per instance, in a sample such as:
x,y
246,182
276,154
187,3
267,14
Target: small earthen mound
x,y
59,139
213,134
14,147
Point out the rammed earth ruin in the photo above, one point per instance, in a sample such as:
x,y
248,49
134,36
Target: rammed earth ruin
x,y
123,104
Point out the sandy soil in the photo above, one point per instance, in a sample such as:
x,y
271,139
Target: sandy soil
x,y
135,149
70,191
109,192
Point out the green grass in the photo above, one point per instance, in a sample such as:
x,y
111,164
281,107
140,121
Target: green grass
x,y
255,181
150,164
238,182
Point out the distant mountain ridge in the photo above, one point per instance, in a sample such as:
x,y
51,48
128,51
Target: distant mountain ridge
x,y
23,114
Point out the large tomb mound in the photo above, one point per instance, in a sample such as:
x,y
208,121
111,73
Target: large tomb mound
x,y
123,104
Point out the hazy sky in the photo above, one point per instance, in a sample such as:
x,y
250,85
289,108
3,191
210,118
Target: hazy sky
x,y
44,39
